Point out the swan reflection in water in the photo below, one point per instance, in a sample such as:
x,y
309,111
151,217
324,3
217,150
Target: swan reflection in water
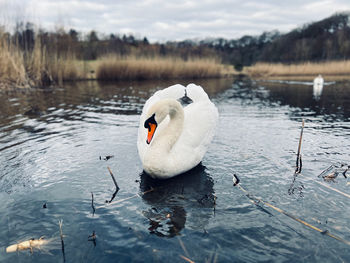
x,y
186,197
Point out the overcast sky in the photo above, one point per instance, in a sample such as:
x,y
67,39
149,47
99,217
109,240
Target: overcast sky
x,y
172,20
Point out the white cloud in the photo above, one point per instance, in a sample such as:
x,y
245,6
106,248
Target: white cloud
x,y
173,20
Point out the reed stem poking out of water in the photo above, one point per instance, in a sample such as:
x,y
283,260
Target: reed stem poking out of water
x,y
298,166
116,186
60,223
329,68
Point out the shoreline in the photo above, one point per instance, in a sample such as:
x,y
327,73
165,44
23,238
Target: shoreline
x,y
13,88
330,70
8,88
309,78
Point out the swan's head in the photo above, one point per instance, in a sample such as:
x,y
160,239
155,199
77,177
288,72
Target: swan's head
x,y
157,113
151,124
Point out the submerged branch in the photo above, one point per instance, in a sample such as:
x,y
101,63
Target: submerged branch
x,y
127,198
254,199
187,259
92,203
298,161
298,167
60,222
116,185
115,182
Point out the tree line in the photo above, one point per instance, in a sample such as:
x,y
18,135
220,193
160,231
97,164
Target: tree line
x,y
328,39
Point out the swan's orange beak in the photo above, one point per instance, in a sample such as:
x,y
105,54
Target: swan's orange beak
x,y
151,130
151,125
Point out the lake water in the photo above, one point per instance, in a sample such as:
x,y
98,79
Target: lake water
x,y
52,149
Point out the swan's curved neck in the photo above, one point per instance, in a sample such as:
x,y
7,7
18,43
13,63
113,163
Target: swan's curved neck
x,y
170,134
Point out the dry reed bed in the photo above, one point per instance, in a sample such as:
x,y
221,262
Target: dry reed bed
x,y
330,68
39,67
128,68
34,68
12,70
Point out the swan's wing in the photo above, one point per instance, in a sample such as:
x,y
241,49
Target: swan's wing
x,y
199,129
196,93
201,118
172,92
177,91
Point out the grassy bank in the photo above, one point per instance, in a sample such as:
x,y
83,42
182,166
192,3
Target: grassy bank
x,y
329,69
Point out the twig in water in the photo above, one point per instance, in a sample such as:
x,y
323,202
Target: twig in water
x,y
92,203
345,171
214,203
326,171
334,189
213,257
324,232
116,186
298,161
298,167
115,182
332,172
183,246
127,198
113,196
60,222
93,238
187,259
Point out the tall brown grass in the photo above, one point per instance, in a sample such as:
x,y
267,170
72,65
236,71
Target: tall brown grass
x,y
63,68
12,68
125,68
41,65
34,68
329,68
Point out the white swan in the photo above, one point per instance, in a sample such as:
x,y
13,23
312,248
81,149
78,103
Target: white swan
x,y
318,81
173,139
318,87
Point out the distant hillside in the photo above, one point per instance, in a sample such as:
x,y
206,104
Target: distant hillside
x,y
328,39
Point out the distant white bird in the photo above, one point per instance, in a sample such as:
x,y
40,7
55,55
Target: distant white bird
x,y
318,87
173,139
318,80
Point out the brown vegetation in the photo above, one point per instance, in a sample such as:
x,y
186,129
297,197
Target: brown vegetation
x,y
34,57
38,59
131,67
35,67
271,70
12,70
